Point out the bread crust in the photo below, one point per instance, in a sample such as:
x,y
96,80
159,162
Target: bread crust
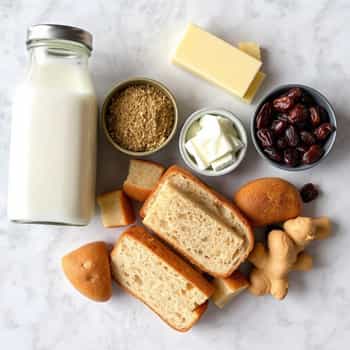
x,y
140,193
88,269
176,170
236,281
128,211
268,200
158,248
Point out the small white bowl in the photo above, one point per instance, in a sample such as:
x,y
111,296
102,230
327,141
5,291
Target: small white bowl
x,y
219,112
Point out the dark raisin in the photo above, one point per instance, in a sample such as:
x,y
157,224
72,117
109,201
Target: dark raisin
x,y
313,154
273,154
291,157
298,114
282,143
307,138
279,126
264,118
323,131
265,137
292,136
309,192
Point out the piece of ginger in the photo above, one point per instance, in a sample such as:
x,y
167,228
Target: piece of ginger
x,y
284,253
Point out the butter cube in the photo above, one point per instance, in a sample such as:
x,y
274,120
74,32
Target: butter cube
x,y
193,130
191,149
216,61
211,148
223,162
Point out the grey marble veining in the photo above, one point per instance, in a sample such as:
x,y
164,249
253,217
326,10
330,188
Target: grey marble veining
x,y
305,42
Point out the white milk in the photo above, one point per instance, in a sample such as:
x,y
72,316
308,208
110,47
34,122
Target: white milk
x,y
53,146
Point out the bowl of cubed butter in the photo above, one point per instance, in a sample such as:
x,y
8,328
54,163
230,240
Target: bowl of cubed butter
x,y
213,142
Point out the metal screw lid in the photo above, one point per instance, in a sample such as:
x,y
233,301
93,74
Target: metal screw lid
x,y
58,31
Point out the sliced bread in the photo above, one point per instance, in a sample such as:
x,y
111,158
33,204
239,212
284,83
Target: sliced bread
x,y
116,209
87,268
227,288
142,178
151,272
198,222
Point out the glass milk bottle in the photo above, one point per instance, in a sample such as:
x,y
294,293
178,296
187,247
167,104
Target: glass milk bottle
x,y
54,130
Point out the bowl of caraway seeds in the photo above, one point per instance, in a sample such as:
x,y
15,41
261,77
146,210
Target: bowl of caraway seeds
x,y
139,116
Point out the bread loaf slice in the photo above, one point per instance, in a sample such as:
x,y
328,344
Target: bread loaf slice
x,y
147,269
142,178
198,222
116,209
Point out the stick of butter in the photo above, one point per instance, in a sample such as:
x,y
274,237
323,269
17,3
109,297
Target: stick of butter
x,y
253,50
216,61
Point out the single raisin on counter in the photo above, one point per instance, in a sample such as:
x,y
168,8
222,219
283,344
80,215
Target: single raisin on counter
x,y
309,192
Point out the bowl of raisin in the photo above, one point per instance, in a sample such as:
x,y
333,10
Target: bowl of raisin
x,y
294,127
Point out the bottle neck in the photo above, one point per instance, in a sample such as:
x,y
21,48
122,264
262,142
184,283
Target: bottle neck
x,y
58,51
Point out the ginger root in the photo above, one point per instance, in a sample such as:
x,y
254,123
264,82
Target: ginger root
x,y
284,253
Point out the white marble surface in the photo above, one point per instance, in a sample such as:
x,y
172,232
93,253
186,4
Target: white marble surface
x,y
305,42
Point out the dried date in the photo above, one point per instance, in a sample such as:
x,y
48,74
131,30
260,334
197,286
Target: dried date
x,y
264,118
313,154
265,137
273,154
315,116
291,157
309,192
323,131
282,143
298,114
283,103
292,136
279,126
307,138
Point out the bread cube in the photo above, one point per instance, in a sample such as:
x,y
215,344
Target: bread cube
x,y
227,288
142,179
116,209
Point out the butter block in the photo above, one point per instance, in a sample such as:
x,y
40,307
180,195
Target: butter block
x,y
254,87
192,150
211,148
216,61
251,48
223,162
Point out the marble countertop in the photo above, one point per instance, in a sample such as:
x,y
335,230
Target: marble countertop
x,y
304,42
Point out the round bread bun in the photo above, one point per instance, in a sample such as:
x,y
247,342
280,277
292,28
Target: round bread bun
x,y
268,201
88,269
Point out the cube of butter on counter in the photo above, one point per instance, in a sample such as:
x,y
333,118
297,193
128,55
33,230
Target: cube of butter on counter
x,y
216,61
227,288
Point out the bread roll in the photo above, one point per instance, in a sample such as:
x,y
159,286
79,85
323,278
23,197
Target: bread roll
x,y
268,200
87,268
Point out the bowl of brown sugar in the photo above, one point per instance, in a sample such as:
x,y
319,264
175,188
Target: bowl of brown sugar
x,y
139,116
